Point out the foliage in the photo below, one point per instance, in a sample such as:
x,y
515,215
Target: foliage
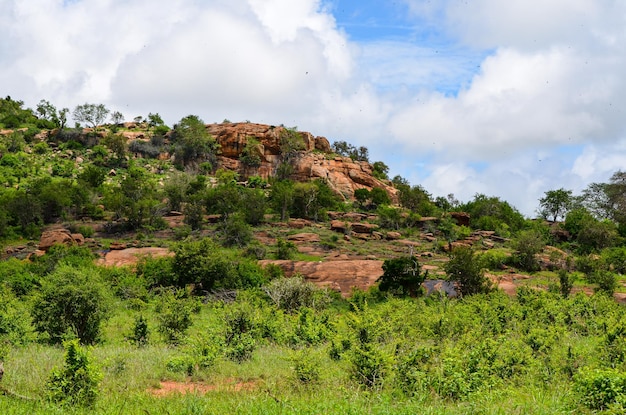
x,y
174,315
291,142
345,149
251,153
493,214
240,332
233,231
281,198
294,292
140,333
380,170
72,301
15,322
192,142
285,249
527,245
402,276
77,382
555,204
566,282
91,114
465,268
601,389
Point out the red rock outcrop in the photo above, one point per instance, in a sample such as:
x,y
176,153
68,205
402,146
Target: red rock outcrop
x,y
341,276
343,174
59,236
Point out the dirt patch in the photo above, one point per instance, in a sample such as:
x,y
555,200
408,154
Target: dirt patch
x,y
170,387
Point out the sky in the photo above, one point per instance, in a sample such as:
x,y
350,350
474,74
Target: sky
x,y
503,98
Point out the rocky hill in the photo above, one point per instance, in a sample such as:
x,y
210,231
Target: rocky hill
x,y
317,161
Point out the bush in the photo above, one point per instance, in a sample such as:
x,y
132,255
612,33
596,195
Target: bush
x,y
140,332
77,383
174,316
601,389
466,269
285,249
527,245
402,276
306,368
234,232
294,292
15,322
239,333
74,302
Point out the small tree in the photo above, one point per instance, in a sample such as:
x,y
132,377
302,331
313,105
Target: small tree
x,y
555,204
77,383
72,301
528,244
117,117
402,275
91,114
465,268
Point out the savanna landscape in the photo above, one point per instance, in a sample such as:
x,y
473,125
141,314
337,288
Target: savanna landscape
x,y
237,267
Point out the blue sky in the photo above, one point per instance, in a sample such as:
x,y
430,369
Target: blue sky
x,y
509,99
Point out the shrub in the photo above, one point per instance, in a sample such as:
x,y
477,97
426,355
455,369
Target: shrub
x,y
77,382
402,275
239,333
466,269
306,368
234,232
140,332
600,389
566,282
294,292
174,316
15,322
72,301
527,245
285,249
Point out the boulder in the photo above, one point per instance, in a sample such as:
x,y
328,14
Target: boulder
x,y
366,228
54,237
304,237
340,226
341,276
461,218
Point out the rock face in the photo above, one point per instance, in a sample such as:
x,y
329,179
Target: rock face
x,y
59,236
341,276
343,174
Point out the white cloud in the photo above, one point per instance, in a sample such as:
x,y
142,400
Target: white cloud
x,y
504,84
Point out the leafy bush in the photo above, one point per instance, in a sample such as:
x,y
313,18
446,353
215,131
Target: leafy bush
x,y
306,368
294,292
285,249
74,302
402,276
234,232
527,245
77,382
174,315
15,322
601,389
465,268
239,334
140,333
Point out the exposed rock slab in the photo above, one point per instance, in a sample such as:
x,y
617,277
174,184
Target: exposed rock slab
x,y
341,276
130,256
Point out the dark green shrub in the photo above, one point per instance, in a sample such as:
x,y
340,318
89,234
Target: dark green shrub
x,y
77,382
527,245
306,368
566,282
402,276
72,301
285,249
240,332
234,232
15,323
465,268
140,333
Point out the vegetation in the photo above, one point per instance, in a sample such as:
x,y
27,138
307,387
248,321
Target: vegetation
x,y
211,319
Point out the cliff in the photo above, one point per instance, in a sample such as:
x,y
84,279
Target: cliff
x,y
343,174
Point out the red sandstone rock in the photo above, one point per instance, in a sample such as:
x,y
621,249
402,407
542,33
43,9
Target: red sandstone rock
x,y
53,237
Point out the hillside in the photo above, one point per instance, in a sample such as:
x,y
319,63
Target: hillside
x,y
213,266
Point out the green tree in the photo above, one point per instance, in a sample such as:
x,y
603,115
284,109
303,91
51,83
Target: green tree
x,y
252,153
402,275
193,143
527,245
91,114
380,170
72,301
555,204
117,117
291,143
465,268
77,382
281,197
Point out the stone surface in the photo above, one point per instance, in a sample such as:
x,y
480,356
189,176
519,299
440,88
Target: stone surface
x,y
304,237
54,237
130,256
342,174
341,276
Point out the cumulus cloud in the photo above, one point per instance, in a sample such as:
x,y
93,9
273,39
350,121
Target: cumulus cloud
x,y
508,98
